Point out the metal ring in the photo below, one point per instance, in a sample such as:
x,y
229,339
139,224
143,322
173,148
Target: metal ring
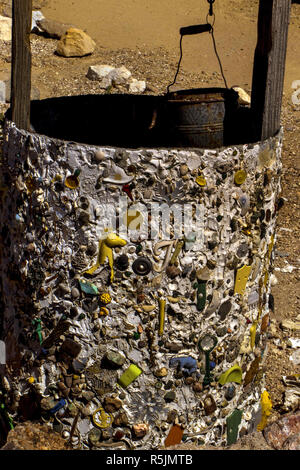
x,y
213,16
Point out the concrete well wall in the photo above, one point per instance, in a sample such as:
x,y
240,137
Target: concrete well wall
x,y
147,298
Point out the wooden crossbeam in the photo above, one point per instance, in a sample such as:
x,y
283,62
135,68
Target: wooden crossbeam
x,y
269,66
21,63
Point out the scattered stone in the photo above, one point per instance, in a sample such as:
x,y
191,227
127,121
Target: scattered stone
x,y
94,436
243,98
114,359
197,387
184,169
209,405
120,75
70,347
111,404
140,430
75,43
34,94
52,29
170,396
75,293
161,372
34,436
5,28
36,16
137,86
172,271
278,433
99,72
121,419
290,325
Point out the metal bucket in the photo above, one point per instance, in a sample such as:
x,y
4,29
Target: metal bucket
x,y
197,117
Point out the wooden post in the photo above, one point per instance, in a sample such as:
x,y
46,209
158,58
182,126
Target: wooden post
x,y
21,63
269,66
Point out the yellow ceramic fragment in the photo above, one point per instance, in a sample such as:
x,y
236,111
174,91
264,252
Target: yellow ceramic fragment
x,y
266,406
241,280
234,374
162,310
106,252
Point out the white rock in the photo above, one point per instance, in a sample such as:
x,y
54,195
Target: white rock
x,y
99,72
5,28
105,82
137,86
36,16
273,280
120,76
243,98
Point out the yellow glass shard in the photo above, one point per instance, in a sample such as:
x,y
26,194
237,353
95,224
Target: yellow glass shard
x,y
266,406
129,375
242,276
201,181
240,177
72,182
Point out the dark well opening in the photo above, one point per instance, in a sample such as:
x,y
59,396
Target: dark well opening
x,y
205,118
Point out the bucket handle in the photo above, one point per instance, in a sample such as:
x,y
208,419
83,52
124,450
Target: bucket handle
x,y
187,31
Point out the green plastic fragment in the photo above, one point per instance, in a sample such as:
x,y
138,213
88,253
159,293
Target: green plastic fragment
x,y
232,422
88,288
234,374
38,329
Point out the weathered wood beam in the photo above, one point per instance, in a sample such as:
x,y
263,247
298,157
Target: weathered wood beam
x,y
21,63
269,66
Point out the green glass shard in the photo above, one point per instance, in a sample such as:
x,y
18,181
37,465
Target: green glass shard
x,y
88,288
232,422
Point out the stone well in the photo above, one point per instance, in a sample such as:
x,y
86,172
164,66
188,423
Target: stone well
x,y
109,323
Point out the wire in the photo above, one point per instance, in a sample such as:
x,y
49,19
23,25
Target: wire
x,y
219,60
178,66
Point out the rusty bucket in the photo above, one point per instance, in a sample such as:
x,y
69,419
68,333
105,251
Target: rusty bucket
x,y
199,117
